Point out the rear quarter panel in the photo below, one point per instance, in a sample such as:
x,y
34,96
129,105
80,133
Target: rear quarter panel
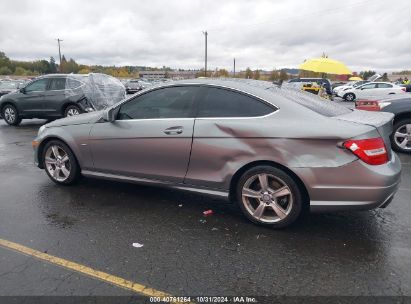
x,y
222,146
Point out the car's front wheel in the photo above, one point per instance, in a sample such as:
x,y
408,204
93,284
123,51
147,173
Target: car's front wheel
x,y
401,137
349,97
60,163
269,196
11,115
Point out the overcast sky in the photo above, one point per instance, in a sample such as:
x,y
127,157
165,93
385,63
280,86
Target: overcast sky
x,y
373,34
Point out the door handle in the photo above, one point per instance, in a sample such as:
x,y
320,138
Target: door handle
x,y
173,130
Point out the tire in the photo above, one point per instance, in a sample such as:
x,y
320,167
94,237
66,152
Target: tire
x,y
62,168
10,115
401,135
349,97
261,205
72,110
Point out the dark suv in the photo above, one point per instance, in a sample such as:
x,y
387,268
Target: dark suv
x,y
57,95
401,108
46,97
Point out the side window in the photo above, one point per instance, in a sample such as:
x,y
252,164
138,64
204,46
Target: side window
x,y
173,102
226,103
57,83
384,85
72,83
37,86
368,86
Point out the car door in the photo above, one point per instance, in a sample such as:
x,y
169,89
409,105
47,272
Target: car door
x,y
226,132
54,96
150,138
385,89
366,91
32,97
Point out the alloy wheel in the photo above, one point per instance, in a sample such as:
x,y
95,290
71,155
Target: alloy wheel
x,y
267,198
402,137
57,163
72,112
9,115
349,97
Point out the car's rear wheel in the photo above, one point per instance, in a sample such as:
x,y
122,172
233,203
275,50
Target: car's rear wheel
x,y
269,196
349,97
401,137
11,115
72,110
60,163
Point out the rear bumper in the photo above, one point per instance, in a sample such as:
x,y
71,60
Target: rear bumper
x,y
355,186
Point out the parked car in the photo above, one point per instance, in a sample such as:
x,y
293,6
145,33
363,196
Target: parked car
x,y
321,81
406,86
274,151
371,90
337,84
7,87
401,108
349,85
57,95
133,86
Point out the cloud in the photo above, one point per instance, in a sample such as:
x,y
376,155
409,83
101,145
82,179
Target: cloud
x,y
259,34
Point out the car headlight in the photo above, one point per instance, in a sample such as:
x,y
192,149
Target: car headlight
x,y
384,104
41,130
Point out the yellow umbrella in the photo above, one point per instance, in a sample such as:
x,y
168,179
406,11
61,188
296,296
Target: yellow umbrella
x,y
325,65
354,78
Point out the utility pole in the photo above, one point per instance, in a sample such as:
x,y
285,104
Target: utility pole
x,y
234,69
60,66
205,63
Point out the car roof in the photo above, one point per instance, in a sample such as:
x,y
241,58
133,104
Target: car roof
x,y
279,96
53,75
396,98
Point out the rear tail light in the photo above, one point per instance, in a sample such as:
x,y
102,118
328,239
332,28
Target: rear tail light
x,y
404,89
371,151
368,105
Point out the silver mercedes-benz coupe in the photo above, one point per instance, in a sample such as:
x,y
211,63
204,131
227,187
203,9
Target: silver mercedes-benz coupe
x,y
275,151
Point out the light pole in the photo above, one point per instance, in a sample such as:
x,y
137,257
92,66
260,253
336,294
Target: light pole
x,y
234,69
205,59
60,66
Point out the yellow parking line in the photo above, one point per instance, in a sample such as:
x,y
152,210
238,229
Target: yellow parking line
x,y
111,279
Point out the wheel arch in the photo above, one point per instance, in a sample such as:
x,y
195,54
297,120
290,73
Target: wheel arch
x,y
402,115
67,104
9,102
236,177
44,142
352,93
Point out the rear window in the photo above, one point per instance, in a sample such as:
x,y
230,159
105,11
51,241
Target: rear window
x,y
225,103
313,102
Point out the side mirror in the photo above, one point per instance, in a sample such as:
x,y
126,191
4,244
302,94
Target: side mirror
x,y
108,115
23,90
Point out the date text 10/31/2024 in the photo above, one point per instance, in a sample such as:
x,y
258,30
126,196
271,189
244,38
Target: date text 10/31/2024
x,y
201,299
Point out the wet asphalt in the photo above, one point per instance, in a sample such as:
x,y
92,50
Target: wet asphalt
x,y
95,222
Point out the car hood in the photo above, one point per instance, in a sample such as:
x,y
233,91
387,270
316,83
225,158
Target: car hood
x,y
11,94
342,87
81,119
